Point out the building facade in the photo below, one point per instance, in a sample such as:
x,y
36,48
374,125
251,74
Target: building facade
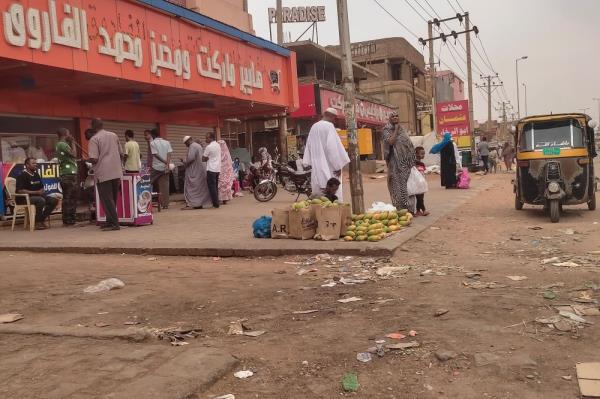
x,y
400,78
449,87
137,64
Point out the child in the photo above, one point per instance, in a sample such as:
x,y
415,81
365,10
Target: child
x,y
333,185
420,154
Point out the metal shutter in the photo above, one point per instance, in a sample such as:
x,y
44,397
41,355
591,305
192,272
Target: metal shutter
x,y
138,129
176,133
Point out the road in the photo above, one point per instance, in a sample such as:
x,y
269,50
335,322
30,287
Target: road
x,y
460,265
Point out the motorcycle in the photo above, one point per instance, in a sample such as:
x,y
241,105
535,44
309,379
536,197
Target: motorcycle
x,y
291,180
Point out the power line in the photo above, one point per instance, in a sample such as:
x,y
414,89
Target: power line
x,y
434,11
423,8
451,6
396,19
415,10
454,58
459,6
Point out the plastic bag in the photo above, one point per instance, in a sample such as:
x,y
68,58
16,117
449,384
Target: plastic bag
x,y
416,183
262,227
379,206
105,285
464,179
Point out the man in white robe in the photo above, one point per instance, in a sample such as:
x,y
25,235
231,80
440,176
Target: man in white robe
x,y
325,153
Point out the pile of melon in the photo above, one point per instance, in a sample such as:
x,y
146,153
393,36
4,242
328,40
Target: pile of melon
x,y
376,226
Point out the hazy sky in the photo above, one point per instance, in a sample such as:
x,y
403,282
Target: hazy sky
x,y
561,38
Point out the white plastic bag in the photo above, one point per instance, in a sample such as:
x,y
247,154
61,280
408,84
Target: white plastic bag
x,y
416,183
379,206
105,285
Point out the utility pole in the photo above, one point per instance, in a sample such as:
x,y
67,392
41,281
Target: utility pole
x,y
470,79
279,19
503,107
432,77
444,37
356,184
598,101
490,87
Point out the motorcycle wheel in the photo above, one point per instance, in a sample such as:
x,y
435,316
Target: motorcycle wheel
x,y
265,192
554,211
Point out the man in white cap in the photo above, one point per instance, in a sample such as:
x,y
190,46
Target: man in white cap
x,y
325,153
195,189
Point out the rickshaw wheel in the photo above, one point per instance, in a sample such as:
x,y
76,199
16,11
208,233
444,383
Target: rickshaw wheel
x,y
592,203
518,204
554,211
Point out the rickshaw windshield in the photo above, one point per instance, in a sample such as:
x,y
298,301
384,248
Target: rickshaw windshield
x,y
552,134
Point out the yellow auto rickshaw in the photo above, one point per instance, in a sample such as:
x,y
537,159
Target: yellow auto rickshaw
x,y
555,162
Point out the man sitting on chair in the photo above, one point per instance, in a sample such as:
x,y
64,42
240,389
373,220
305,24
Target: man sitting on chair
x,y
30,182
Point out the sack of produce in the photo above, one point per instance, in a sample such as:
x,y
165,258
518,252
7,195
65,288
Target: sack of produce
x,y
280,223
329,220
302,223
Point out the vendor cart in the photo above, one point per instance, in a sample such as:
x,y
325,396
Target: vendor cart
x,y
134,201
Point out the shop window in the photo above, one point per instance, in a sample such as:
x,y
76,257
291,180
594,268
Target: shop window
x,y
16,147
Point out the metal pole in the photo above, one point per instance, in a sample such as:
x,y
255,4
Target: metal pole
x,y
489,90
356,185
525,86
279,19
432,77
598,101
470,80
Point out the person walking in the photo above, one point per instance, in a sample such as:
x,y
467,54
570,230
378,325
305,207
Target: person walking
x,y
449,160
508,155
105,154
484,151
195,188
212,157
131,157
67,168
400,158
325,153
161,160
226,174
494,160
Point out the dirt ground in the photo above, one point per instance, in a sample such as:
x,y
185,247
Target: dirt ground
x,y
500,351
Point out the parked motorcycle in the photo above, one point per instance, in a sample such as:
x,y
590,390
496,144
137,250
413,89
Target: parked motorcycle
x,y
292,181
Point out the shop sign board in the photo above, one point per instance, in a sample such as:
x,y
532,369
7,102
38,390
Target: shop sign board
x,y
453,117
298,14
366,111
127,40
292,146
364,139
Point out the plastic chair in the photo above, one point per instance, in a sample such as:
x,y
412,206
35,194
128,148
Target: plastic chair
x,y
27,209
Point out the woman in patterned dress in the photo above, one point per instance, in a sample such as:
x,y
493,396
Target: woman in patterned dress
x,y
400,158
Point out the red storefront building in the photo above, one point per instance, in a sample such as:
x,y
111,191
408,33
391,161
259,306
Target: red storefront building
x,y
137,64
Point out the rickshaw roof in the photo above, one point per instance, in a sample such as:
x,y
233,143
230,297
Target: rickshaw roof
x,y
552,117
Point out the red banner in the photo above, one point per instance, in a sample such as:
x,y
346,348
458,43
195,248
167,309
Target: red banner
x,y
366,111
453,117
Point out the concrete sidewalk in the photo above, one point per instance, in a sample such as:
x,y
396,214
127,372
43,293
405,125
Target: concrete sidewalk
x,y
227,231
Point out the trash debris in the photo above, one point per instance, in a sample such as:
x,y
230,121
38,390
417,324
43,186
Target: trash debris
x,y
105,285
434,228
594,253
364,357
426,272
379,348
472,275
351,299
550,260
392,271
329,285
243,374
101,325
412,333
351,281
567,377
566,264
588,376
428,387
177,336
572,316
440,312
515,239
395,336
350,382
549,294
480,285
152,259
131,323
305,311
10,317
569,232
403,345
517,278
256,333
535,228
586,310
216,258
228,396
179,343
444,356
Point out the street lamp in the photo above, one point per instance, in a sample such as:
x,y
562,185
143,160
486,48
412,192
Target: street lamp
x,y
518,95
525,86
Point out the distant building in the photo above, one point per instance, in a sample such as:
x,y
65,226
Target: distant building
x,y
401,78
449,87
231,12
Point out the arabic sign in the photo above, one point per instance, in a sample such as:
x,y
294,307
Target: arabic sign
x,y
298,14
124,39
366,112
453,117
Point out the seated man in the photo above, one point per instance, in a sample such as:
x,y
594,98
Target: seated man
x,y
30,182
333,185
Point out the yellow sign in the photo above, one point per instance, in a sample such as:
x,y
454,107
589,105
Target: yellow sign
x,y
463,141
292,146
365,140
